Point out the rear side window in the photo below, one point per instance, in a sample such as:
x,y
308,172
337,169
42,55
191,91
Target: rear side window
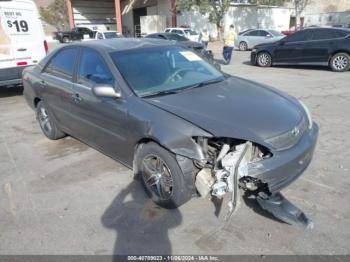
x,y
263,33
300,36
324,34
93,70
253,33
62,64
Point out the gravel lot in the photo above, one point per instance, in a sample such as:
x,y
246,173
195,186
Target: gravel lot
x,y
62,197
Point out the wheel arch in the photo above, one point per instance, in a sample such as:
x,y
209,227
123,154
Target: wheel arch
x,y
36,101
338,51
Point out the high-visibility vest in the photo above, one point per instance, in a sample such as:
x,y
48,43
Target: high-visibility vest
x,y
230,38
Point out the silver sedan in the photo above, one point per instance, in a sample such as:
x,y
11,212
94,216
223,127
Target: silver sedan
x,y
250,38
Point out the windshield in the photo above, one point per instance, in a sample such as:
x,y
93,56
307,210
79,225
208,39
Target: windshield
x,y
275,33
160,70
176,37
190,32
109,35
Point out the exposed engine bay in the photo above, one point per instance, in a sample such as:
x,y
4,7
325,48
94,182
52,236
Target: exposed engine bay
x,y
225,172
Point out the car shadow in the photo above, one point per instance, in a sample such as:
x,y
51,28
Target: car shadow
x,y
11,91
141,226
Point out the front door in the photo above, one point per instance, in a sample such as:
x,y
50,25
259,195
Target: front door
x,y
100,121
291,48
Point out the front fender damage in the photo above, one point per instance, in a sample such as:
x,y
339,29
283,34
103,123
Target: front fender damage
x,y
223,174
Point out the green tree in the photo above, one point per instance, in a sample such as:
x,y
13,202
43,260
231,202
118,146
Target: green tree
x,y
55,14
215,8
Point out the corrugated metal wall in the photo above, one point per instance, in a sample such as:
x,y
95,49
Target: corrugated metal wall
x,y
95,14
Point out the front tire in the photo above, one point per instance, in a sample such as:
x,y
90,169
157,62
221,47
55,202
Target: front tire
x,y
161,176
47,122
264,59
340,62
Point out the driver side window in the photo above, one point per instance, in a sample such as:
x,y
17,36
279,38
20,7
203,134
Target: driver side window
x,y
93,70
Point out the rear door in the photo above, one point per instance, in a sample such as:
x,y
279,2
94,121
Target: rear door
x,y
20,19
7,58
319,49
57,85
252,38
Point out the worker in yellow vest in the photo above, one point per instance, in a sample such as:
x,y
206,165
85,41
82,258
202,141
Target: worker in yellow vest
x,y
229,44
205,38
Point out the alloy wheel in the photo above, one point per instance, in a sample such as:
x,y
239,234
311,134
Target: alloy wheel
x,y
243,46
44,120
157,177
340,62
264,59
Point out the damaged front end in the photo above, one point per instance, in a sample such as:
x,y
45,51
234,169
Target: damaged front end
x,y
230,165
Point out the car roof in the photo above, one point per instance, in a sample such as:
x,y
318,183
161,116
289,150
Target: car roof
x,y
329,28
122,44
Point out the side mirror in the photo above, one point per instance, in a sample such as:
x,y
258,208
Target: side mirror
x,y
282,42
268,36
107,91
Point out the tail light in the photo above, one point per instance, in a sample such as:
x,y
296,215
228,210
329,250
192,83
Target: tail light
x,y
22,63
46,46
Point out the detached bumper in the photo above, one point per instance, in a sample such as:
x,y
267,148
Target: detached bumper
x,y
286,166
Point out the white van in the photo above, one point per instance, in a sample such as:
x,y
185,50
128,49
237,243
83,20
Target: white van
x,y
22,40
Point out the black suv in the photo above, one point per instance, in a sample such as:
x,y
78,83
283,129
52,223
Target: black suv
x,y
313,46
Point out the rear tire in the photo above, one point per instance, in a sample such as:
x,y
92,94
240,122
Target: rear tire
x,y
243,46
161,176
47,122
264,59
65,39
340,62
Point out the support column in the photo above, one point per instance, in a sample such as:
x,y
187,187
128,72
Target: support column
x,y
173,13
70,13
118,16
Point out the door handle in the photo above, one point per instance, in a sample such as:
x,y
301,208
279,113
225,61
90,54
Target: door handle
x,y
22,49
76,98
43,84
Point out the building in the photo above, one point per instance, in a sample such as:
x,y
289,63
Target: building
x,y
121,15
242,16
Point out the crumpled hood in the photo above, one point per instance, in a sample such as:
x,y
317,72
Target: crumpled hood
x,y
234,108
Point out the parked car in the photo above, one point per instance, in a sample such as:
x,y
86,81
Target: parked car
x,y
185,42
312,46
183,125
22,40
250,38
186,32
77,33
100,35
